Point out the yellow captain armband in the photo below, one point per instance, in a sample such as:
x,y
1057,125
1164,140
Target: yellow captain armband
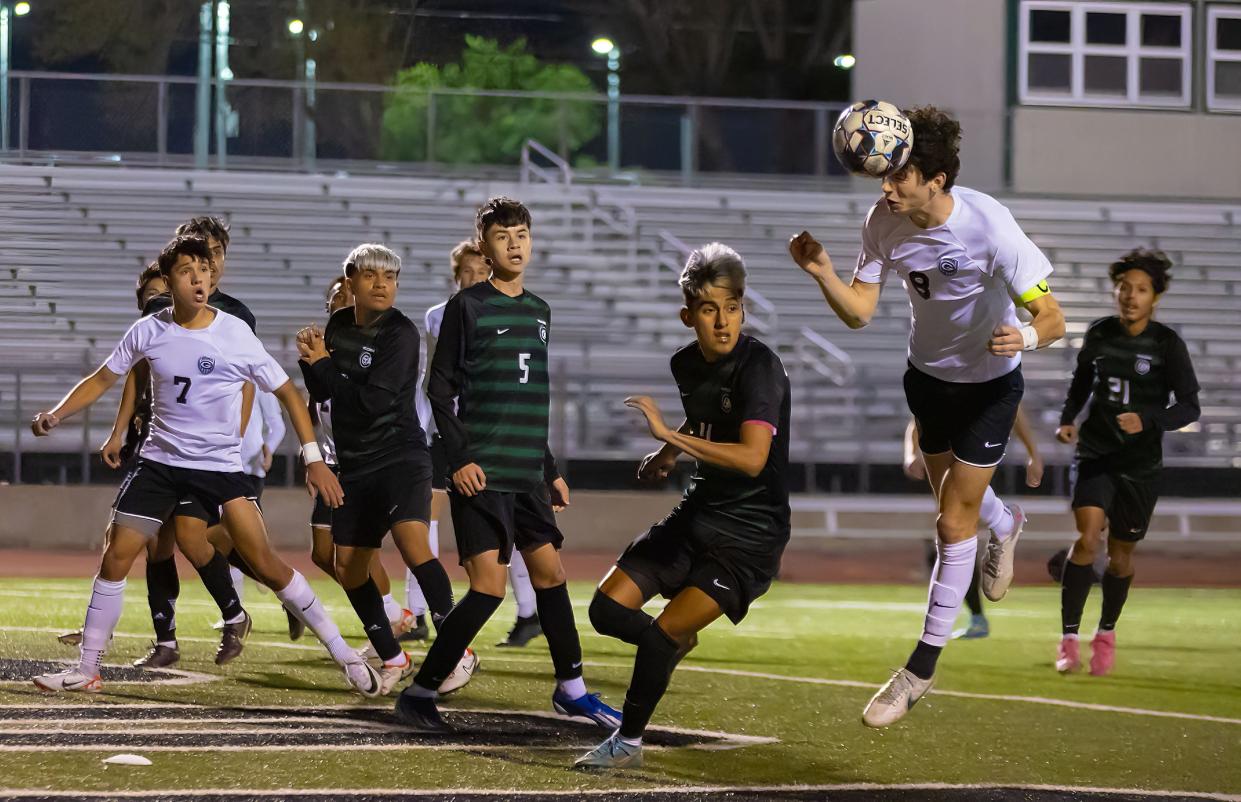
x,y
1035,292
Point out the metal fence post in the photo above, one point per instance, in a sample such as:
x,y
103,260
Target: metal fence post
x,y
430,126
161,111
17,432
23,115
820,141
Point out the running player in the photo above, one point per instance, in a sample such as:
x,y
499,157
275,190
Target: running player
x,y
963,259
190,463
1141,383
469,267
489,393
720,549
366,364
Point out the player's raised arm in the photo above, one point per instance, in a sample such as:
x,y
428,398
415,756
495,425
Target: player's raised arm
x,y
748,456
110,452
84,393
854,303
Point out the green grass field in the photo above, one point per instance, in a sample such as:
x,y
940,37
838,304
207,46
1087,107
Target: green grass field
x,y
798,670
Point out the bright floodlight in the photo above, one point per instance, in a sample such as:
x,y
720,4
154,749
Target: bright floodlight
x,y
845,62
602,46
296,26
21,9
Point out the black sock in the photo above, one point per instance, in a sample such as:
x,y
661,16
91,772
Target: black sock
x,y
1073,592
369,605
652,668
163,588
922,661
219,583
556,617
456,632
973,599
1115,592
610,617
235,560
436,589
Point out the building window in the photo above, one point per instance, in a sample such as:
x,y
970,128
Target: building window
x,y
1111,54
1224,58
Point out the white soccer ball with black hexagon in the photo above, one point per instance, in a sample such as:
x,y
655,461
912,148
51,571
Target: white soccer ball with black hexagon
x,y
872,138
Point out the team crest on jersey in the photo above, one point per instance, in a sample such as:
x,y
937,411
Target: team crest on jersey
x,y
1142,365
205,365
726,400
948,266
543,331
364,359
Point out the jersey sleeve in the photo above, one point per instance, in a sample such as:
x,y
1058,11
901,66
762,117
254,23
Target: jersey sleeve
x,y
256,364
872,266
128,350
1183,384
446,380
762,385
397,360
1015,259
1082,382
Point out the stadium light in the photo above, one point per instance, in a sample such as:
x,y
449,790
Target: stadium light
x,y
21,9
296,27
845,61
602,45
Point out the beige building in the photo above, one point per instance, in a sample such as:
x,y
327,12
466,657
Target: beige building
x,y
1069,96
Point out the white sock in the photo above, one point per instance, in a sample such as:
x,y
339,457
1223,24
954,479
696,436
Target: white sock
x,y
433,537
573,688
523,591
237,619
171,644
953,571
299,599
629,741
414,600
401,659
106,601
995,515
239,583
392,609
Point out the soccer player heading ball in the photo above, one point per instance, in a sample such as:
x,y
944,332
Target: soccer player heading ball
x,y
963,259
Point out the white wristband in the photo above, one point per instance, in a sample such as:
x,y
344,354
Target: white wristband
x,y
1029,336
311,453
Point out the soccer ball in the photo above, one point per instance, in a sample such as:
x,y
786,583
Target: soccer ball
x,y
872,138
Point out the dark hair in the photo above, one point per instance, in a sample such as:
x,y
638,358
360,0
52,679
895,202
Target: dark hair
x,y
1153,263
182,244
713,263
500,211
148,274
331,288
206,227
937,144
464,248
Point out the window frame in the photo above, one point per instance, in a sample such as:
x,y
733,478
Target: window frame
x,y
1215,12
1133,51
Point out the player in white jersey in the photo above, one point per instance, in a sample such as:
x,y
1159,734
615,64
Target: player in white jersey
x,y
964,260
190,462
469,267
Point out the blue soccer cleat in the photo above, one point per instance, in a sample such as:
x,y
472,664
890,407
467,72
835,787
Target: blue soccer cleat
x,y
587,706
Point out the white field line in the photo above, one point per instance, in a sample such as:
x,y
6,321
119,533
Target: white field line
x,y
575,793
180,675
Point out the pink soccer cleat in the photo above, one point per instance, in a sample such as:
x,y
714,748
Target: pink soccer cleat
x,y
1068,658
1102,653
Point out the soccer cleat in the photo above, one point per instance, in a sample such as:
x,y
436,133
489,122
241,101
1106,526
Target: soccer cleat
x,y
978,628
73,638
1102,653
997,566
462,674
588,706
403,624
71,679
420,713
896,698
524,631
362,677
389,676
613,753
159,656
1068,657
418,632
233,639
297,627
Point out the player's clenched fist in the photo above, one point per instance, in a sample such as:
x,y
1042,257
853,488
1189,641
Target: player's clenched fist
x,y
43,424
809,255
1067,434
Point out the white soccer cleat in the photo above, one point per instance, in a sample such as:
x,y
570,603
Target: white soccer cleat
x,y
367,652
997,566
71,679
389,676
895,699
362,677
462,674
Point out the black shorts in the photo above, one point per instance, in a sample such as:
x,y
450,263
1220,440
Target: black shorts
x,y
439,464
496,520
973,420
1128,503
377,501
321,515
154,492
688,549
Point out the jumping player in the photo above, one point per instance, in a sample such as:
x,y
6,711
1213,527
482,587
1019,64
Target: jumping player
x,y
963,259
1141,383
720,549
190,462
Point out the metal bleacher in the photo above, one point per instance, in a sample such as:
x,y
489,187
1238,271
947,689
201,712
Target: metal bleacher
x,y
72,240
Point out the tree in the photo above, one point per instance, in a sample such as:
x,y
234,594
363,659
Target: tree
x,y
487,130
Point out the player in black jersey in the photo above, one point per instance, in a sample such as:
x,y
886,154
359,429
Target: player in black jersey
x,y
1141,383
366,364
720,549
489,393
